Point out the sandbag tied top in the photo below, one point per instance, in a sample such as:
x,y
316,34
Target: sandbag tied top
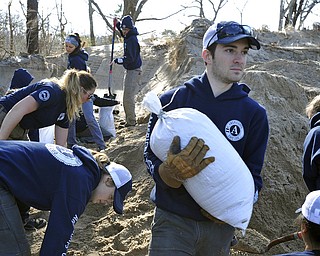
x,y
225,188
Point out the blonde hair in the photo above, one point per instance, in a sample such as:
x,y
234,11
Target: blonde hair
x,y
101,158
71,82
313,107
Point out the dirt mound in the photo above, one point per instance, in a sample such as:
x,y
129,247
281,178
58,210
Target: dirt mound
x,y
282,77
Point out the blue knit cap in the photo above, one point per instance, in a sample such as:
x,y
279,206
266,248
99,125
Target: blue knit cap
x,y
21,78
127,22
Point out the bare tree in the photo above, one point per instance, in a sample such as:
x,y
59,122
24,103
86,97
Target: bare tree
x,y
32,27
295,12
92,37
241,10
11,29
216,7
282,13
132,8
62,20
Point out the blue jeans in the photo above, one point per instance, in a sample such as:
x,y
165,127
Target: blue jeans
x,y
179,236
12,235
93,125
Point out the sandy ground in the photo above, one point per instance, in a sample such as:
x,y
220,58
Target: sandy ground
x,y
283,77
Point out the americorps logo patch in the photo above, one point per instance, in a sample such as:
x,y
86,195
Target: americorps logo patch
x,y
44,95
61,116
234,130
64,155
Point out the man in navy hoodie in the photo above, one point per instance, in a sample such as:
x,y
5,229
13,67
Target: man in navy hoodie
x,y
132,62
180,226
53,178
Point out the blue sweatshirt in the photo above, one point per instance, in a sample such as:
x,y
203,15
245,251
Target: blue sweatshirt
x,y
131,57
311,155
51,178
240,119
78,60
52,105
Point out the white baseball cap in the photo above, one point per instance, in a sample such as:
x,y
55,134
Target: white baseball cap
x,y
123,181
227,32
311,207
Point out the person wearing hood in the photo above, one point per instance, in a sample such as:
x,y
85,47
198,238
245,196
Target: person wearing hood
x,y
311,146
77,59
77,56
75,178
180,226
132,63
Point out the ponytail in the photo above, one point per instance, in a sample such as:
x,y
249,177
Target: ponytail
x,y
71,82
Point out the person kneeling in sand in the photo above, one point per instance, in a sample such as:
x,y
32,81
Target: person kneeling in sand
x,y
53,178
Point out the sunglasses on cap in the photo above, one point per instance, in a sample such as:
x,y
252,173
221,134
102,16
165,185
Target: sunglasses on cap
x,y
231,30
90,95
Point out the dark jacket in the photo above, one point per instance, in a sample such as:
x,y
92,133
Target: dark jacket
x,y
52,105
78,60
51,178
239,118
131,58
311,155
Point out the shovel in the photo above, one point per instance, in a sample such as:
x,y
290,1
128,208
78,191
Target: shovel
x,y
111,95
250,244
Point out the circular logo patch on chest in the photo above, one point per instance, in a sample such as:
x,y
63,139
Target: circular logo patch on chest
x,y
234,130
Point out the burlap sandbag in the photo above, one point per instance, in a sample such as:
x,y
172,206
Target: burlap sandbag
x,y
225,188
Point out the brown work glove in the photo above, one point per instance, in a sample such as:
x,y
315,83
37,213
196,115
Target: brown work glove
x,y
183,164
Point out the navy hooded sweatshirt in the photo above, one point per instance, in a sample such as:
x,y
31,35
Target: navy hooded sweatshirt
x,y
239,118
131,49
51,178
311,155
78,60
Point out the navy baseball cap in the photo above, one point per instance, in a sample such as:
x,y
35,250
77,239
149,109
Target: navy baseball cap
x,y
123,181
226,32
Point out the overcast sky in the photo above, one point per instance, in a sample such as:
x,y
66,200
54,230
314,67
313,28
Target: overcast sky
x,y
256,13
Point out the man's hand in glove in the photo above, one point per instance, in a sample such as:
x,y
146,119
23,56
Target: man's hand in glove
x,y
183,164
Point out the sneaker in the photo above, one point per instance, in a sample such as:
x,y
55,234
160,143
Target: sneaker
x,y
35,223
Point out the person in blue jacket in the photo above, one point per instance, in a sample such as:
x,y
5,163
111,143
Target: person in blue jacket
x,y
309,224
311,146
47,102
131,61
77,56
53,178
180,226
77,59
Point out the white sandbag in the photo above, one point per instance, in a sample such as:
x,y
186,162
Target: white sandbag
x,y
106,120
46,134
225,188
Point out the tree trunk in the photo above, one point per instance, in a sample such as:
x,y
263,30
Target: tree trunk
x,y
282,13
92,37
11,29
32,27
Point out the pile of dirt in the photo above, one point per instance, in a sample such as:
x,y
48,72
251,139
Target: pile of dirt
x,y
283,77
